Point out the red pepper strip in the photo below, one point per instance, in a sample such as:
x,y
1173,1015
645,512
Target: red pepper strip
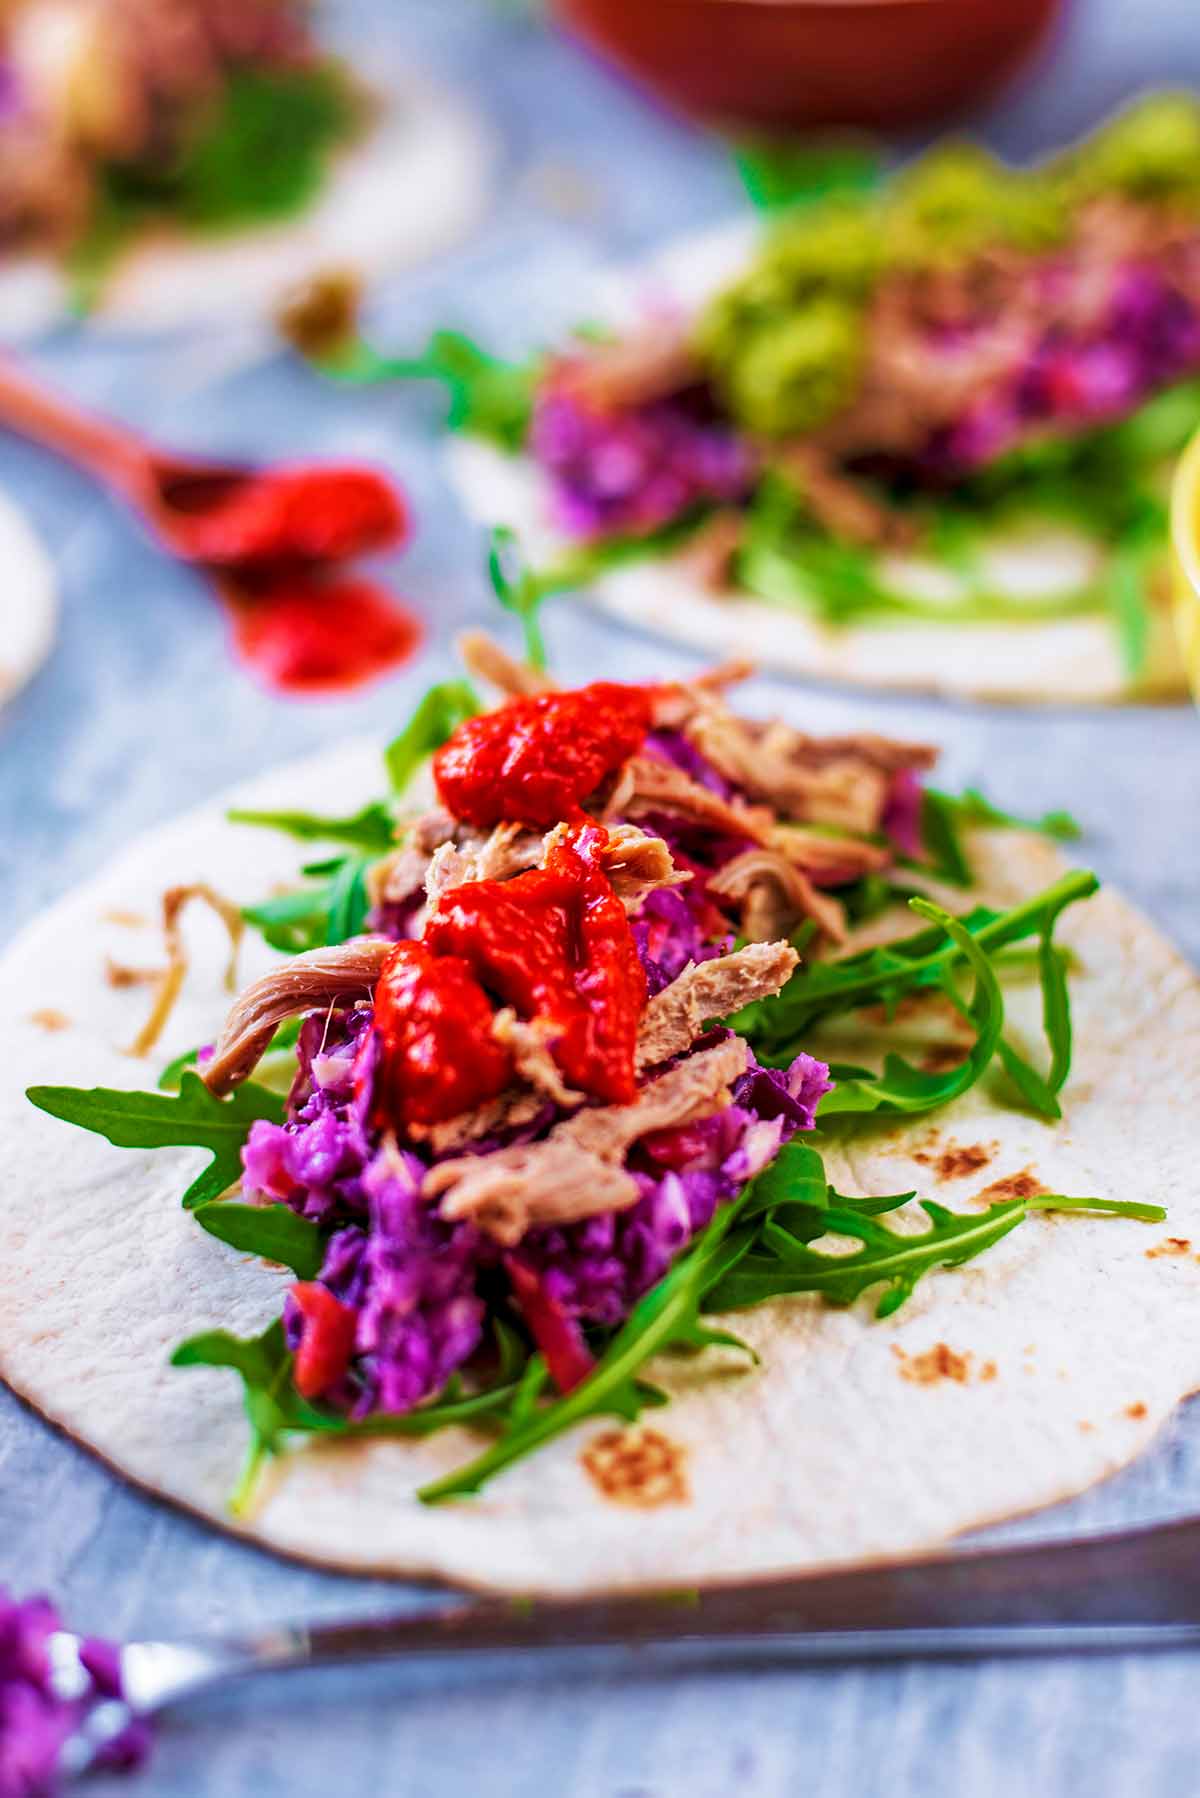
x,y
559,1336
434,1024
536,759
556,945
328,1340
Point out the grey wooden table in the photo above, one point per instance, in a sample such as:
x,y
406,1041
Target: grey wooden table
x,y
141,713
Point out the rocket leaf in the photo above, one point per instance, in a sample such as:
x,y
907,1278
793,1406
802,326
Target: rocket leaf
x,y
191,1118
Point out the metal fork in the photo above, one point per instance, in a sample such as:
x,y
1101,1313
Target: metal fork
x,y
1133,1590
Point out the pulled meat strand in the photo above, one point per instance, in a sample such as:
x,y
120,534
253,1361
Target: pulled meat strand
x,y
842,857
840,503
319,977
576,1171
775,895
841,781
528,1043
646,785
710,552
489,661
705,990
654,364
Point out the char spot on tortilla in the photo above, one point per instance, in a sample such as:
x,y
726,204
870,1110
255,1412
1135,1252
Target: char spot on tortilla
x,y
642,1468
1135,1411
128,920
1024,1185
1170,1246
956,1160
48,1018
120,976
942,1057
939,1363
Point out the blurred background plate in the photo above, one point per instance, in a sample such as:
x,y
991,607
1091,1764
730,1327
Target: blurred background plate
x,y
28,600
413,187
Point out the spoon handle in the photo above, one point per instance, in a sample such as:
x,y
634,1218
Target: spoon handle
x,y
111,455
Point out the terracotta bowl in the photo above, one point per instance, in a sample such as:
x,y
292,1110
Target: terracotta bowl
x,y
788,65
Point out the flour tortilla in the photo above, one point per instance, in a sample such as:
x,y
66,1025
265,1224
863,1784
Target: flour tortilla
x,y
28,600
1067,660
410,189
827,1453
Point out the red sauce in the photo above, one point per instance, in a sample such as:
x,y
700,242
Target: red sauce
x,y
281,515
327,1342
536,759
555,944
311,635
434,1022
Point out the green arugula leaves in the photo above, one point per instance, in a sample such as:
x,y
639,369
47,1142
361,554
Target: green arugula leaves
x,y
779,1028
336,907
780,174
275,1411
437,716
330,912
192,1118
667,1317
882,976
758,1247
370,828
944,816
904,1089
782,1261
489,398
522,590
273,1232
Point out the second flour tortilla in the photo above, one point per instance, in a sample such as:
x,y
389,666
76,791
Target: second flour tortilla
x,y
1073,660
1016,1381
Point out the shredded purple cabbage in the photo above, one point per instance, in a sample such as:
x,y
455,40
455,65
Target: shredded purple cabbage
x,y
37,1716
902,813
414,1279
633,471
1149,338
597,1269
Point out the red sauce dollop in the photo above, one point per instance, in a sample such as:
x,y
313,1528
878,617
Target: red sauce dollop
x,y
434,1022
327,1342
282,515
536,759
311,635
555,943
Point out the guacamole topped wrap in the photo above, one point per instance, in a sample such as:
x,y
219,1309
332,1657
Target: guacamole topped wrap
x,y
915,434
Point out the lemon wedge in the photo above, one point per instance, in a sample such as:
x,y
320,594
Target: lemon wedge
x,y
1185,558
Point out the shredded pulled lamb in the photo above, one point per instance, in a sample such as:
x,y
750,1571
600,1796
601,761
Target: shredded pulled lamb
x,y
775,895
646,785
489,661
840,781
319,977
576,1171
705,990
